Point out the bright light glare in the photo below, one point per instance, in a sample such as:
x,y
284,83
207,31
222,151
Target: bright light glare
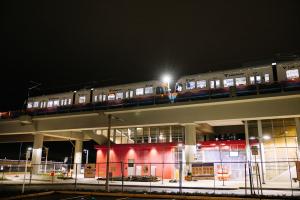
x,y
266,137
29,148
166,78
252,138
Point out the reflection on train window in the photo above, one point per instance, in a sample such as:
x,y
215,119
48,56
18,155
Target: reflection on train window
x,y
190,85
50,104
56,102
178,87
201,84
119,95
218,83
29,105
241,81
82,99
64,102
228,82
258,79
111,97
148,90
267,78
212,84
35,104
292,73
252,80
139,91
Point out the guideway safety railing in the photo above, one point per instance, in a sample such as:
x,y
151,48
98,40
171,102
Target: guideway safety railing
x,y
236,178
233,91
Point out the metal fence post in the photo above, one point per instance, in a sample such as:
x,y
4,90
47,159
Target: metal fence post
x,y
245,164
122,171
180,177
150,178
75,176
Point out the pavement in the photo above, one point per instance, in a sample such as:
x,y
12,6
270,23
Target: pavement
x,y
284,188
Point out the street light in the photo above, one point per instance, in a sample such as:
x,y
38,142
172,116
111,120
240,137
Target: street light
x,y
110,117
167,79
29,149
87,155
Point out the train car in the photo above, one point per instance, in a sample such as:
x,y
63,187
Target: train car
x,y
141,93
288,74
49,103
227,83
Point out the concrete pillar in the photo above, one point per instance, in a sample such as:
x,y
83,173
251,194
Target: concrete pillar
x,y
261,151
77,156
37,153
297,120
189,147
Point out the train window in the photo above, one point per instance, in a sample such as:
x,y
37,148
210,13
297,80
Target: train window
x,y
56,102
258,79
139,91
212,84
50,104
252,80
267,78
119,95
81,99
29,105
218,83
43,104
190,85
178,87
104,97
240,81
111,97
127,94
292,73
148,90
96,98
201,84
36,104
70,101
228,82
131,94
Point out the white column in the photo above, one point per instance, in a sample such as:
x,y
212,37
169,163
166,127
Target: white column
x,y
37,153
189,146
261,150
77,156
297,120
248,155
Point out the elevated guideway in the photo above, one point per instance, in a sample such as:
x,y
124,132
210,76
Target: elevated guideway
x,y
213,111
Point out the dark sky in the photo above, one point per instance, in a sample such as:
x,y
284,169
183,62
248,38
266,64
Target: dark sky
x,y
62,43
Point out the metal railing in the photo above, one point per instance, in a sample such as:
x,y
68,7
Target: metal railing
x,y
235,178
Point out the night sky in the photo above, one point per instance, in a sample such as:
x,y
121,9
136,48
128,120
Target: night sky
x,y
66,43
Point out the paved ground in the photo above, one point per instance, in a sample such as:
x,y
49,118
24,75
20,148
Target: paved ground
x,y
37,183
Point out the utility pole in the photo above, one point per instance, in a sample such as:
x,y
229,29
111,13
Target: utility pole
x,y
107,154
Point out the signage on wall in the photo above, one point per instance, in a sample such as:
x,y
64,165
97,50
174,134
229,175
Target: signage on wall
x,y
254,150
89,171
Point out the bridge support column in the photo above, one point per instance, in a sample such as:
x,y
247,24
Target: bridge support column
x,y
297,120
37,153
77,156
189,147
